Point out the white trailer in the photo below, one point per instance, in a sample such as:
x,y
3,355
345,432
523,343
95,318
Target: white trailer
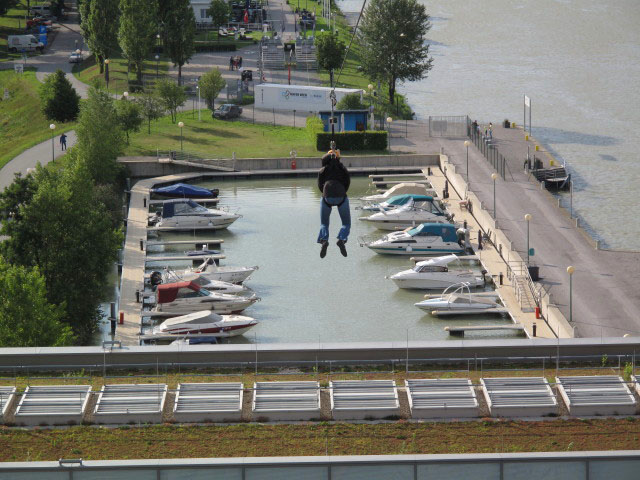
x,y
298,97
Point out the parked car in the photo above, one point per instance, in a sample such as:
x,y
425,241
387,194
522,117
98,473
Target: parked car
x,y
75,58
26,43
227,111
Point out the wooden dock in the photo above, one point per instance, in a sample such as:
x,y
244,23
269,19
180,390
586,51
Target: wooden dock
x,y
201,201
379,183
462,312
459,331
379,176
174,258
215,241
179,229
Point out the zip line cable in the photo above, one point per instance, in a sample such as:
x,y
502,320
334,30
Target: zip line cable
x,y
355,30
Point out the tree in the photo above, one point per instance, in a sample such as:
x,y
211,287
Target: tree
x,y
137,31
65,230
27,319
100,136
180,33
211,84
5,5
58,99
351,102
129,116
172,96
330,52
102,26
84,9
219,13
392,37
150,107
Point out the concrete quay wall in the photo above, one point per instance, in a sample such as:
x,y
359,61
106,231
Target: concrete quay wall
x,y
140,167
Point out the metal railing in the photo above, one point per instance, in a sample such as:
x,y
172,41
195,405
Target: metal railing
x,y
451,127
485,144
226,164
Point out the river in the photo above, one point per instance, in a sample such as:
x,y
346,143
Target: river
x,y
578,61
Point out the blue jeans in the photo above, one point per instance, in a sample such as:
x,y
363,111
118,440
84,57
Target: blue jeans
x,y
345,217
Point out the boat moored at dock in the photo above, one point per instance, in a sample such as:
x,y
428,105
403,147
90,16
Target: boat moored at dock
x,y
458,299
425,239
186,297
409,215
438,273
185,214
203,324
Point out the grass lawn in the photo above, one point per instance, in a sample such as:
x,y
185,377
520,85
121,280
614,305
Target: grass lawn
x,y
22,124
13,23
259,440
212,138
212,36
89,70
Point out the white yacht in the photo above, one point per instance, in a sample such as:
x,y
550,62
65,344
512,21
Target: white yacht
x,y
459,298
438,273
409,215
425,239
397,201
215,286
185,214
204,324
399,189
231,274
187,297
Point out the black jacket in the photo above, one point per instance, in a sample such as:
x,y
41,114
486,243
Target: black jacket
x,y
333,178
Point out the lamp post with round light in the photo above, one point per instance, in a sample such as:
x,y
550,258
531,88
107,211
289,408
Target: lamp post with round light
x,y
570,270
527,217
389,120
157,59
53,155
181,125
466,144
125,95
494,177
106,72
198,89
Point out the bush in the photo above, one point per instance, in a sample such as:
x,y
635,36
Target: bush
x,y
135,86
314,127
353,141
58,98
351,102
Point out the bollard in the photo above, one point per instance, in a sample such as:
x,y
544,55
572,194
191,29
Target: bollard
x,y
121,318
429,171
535,329
144,201
480,240
537,310
137,296
141,245
501,278
113,325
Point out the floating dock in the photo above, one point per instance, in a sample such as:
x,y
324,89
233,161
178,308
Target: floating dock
x,y
459,331
202,201
175,258
463,312
215,241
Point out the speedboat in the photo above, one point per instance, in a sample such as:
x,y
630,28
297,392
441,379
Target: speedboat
x,y
184,190
436,273
408,215
398,201
401,188
185,214
204,324
459,297
427,239
186,297
230,274
215,286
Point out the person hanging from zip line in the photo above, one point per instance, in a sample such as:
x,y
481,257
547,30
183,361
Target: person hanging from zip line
x,y
333,182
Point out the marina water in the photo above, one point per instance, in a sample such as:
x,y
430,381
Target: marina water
x,y
578,61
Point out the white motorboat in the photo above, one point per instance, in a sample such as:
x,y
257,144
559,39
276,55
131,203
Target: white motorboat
x,y
185,214
459,298
215,286
186,297
231,274
401,188
409,215
425,239
438,273
204,324
398,201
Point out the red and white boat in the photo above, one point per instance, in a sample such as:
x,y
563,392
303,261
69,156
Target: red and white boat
x,y
203,324
181,298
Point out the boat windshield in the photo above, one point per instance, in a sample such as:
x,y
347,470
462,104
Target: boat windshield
x,y
430,268
189,293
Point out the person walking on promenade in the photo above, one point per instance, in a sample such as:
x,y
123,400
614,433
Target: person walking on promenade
x,y
490,131
231,63
333,182
63,142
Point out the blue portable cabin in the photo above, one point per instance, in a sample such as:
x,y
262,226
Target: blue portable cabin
x,y
446,231
352,120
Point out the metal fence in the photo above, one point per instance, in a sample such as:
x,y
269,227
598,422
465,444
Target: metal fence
x,y
450,127
485,144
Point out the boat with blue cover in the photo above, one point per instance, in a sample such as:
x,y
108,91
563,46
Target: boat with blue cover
x,y
425,239
184,190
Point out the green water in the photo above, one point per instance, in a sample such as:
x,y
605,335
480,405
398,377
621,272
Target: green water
x,y
309,299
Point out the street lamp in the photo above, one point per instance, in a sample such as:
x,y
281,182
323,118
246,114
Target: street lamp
x,y
157,58
494,177
181,124
198,89
466,144
106,72
125,95
570,270
389,120
527,217
53,155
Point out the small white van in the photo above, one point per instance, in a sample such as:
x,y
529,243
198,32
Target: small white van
x,y
27,43
40,10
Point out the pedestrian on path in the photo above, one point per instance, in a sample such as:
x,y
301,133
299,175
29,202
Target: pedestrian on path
x,y
63,141
490,131
333,182
231,63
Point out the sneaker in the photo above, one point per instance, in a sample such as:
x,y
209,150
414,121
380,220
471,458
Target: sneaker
x,y
323,249
342,247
